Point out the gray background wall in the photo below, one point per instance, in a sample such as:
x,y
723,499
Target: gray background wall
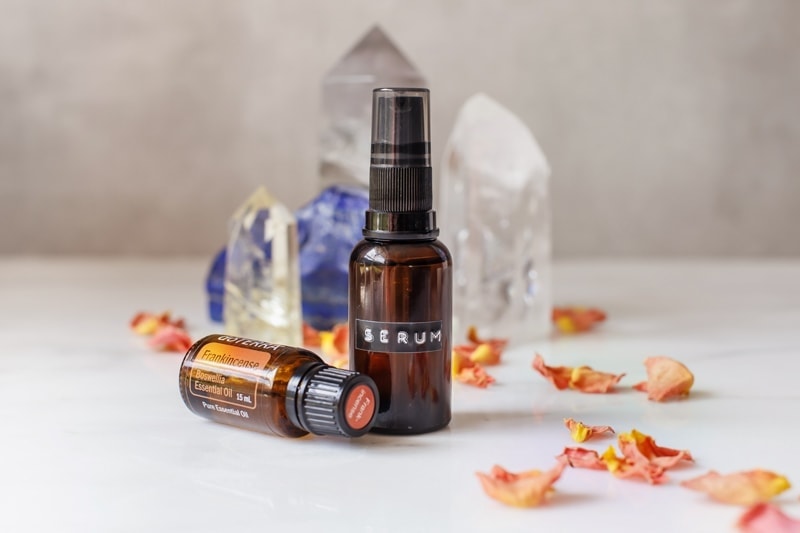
x,y
673,127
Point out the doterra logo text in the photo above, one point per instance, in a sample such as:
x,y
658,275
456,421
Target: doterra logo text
x,y
398,337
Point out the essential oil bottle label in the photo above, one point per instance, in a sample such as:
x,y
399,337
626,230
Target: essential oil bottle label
x,y
214,374
398,337
359,407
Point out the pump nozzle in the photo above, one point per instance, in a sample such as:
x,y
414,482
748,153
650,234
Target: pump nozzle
x,y
401,128
400,182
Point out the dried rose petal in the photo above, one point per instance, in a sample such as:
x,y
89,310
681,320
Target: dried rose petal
x,y
581,378
466,355
584,379
622,467
311,336
475,375
741,488
138,320
341,362
487,351
145,323
526,489
472,336
582,458
577,319
767,518
641,458
484,354
666,378
335,343
557,375
170,339
618,466
580,432
637,446
341,338
461,358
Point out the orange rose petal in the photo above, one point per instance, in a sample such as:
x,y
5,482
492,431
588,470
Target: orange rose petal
x,y
582,458
486,355
487,351
335,343
341,362
526,489
326,345
581,378
557,375
577,319
475,375
144,323
311,336
740,488
767,518
641,458
461,358
136,323
341,338
472,336
565,324
621,467
580,432
143,317
637,446
584,379
666,378
170,339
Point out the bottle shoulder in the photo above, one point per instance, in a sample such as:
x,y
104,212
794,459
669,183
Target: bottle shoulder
x,y
296,357
401,252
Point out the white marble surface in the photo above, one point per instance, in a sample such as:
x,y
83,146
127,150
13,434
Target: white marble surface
x,y
96,438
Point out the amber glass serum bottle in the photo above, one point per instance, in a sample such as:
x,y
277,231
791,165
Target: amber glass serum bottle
x,y
276,389
400,308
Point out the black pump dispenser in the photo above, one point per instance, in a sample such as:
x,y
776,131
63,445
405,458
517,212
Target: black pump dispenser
x,y
400,177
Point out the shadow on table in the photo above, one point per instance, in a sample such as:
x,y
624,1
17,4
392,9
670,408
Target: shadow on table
x,y
486,419
571,498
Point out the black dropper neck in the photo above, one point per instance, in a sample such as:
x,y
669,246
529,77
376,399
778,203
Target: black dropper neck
x,y
400,175
324,400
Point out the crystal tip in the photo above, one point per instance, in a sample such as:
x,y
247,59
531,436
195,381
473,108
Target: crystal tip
x,y
400,127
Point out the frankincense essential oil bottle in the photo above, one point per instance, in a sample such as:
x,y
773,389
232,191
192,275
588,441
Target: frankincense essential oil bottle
x,y
400,279
276,389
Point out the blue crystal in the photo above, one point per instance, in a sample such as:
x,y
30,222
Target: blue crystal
x,y
215,286
328,228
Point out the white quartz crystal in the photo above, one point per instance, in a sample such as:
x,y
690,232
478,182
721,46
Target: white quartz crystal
x,y
262,276
495,218
373,62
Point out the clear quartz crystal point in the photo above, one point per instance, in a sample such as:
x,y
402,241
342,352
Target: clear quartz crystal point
x,y
495,218
347,105
262,276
